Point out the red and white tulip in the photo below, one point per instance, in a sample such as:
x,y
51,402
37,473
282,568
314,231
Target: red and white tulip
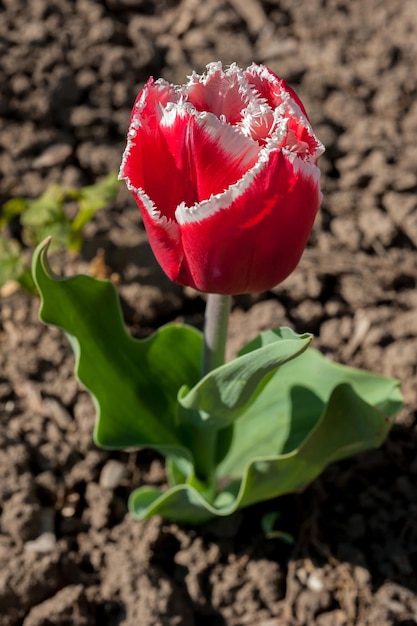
x,y
224,170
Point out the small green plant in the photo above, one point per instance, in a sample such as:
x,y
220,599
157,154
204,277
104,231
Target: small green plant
x,y
60,212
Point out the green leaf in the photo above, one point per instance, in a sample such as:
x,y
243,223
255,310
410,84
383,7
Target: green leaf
x,y
101,193
10,209
45,216
12,263
134,382
46,208
26,282
58,231
294,401
271,336
268,523
311,412
348,426
181,503
91,199
224,393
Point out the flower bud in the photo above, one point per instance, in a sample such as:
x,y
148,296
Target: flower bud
x,y
224,170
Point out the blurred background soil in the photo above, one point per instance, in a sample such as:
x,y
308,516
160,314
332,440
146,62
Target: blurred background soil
x,y
70,554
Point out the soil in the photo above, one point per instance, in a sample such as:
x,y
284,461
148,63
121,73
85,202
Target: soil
x,y
70,553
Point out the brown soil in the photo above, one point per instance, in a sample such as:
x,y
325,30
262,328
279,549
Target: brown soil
x,y
70,554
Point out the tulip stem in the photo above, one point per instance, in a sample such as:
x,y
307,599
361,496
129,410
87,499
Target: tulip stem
x,y
215,331
205,441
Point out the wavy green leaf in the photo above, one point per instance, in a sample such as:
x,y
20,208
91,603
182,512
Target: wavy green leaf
x,y
312,412
134,382
224,393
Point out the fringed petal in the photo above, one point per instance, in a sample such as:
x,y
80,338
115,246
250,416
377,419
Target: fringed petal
x,y
257,240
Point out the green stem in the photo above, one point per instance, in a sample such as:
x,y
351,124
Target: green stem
x,y
215,331
215,336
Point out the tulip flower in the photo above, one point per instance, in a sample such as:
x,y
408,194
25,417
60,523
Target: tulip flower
x,y
224,171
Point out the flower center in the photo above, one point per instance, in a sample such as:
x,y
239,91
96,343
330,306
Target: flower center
x,y
257,120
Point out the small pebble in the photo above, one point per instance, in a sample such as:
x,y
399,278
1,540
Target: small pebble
x,y
46,542
112,474
54,155
315,583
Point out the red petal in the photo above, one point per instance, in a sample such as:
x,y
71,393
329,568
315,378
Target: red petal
x,y
220,155
257,241
219,92
153,159
301,141
270,86
179,158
